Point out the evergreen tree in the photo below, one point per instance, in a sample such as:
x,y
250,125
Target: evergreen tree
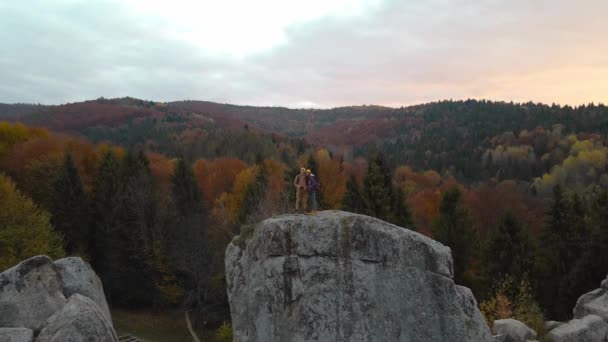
x,y
189,239
105,207
589,268
69,209
509,251
353,198
555,260
377,196
133,277
401,215
453,227
186,192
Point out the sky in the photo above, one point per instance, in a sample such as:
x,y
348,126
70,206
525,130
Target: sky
x,y
313,53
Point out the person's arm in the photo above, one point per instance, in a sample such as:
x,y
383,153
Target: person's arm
x,y
295,181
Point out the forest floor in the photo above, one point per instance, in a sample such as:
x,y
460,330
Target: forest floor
x,y
151,326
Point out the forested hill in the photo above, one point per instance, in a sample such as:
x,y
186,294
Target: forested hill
x,y
470,140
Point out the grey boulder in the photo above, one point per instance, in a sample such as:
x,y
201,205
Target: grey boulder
x,y
550,325
30,293
587,329
16,335
339,277
512,330
79,320
78,277
593,303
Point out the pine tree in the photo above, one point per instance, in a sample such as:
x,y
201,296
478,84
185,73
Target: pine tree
x,y
189,241
69,209
377,195
186,193
401,215
105,206
353,198
556,256
510,250
133,278
453,227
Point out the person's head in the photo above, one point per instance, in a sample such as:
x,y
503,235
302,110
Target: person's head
x,y
308,172
302,171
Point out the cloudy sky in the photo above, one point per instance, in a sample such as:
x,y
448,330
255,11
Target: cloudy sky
x,y
312,53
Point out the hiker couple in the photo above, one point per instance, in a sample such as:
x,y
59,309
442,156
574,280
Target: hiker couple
x,y
306,188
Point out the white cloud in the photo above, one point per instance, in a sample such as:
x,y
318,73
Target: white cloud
x,y
305,53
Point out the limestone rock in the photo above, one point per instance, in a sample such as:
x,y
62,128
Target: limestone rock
x,y
16,335
30,293
79,277
593,303
79,320
339,276
512,330
550,325
588,329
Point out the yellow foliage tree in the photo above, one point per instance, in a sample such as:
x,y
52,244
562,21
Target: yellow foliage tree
x,y
25,229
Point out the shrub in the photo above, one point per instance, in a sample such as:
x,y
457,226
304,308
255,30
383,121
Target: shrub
x,y
224,333
513,299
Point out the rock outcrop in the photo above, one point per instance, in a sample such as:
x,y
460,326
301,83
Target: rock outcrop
x,y
79,277
511,330
593,303
339,276
16,335
44,301
30,293
590,328
79,320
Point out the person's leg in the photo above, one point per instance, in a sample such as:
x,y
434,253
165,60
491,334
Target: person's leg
x,y
304,200
313,202
298,199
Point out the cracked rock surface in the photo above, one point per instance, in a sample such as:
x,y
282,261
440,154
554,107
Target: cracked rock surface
x,y
340,276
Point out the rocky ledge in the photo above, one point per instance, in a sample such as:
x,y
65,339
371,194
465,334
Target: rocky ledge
x,y
340,276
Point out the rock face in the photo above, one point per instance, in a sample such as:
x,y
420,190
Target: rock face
x,y
593,303
550,325
30,293
33,303
79,320
588,329
339,276
16,335
79,277
512,330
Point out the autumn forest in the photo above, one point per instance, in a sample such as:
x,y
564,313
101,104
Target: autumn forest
x,y
151,193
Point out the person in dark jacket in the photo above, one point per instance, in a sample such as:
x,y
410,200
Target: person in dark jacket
x,y
312,186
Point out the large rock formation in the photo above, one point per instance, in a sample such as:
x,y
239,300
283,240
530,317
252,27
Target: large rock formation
x,y
345,277
30,293
593,303
33,302
590,328
16,335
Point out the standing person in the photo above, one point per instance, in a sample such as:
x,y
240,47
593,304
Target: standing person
x,y
312,187
300,182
